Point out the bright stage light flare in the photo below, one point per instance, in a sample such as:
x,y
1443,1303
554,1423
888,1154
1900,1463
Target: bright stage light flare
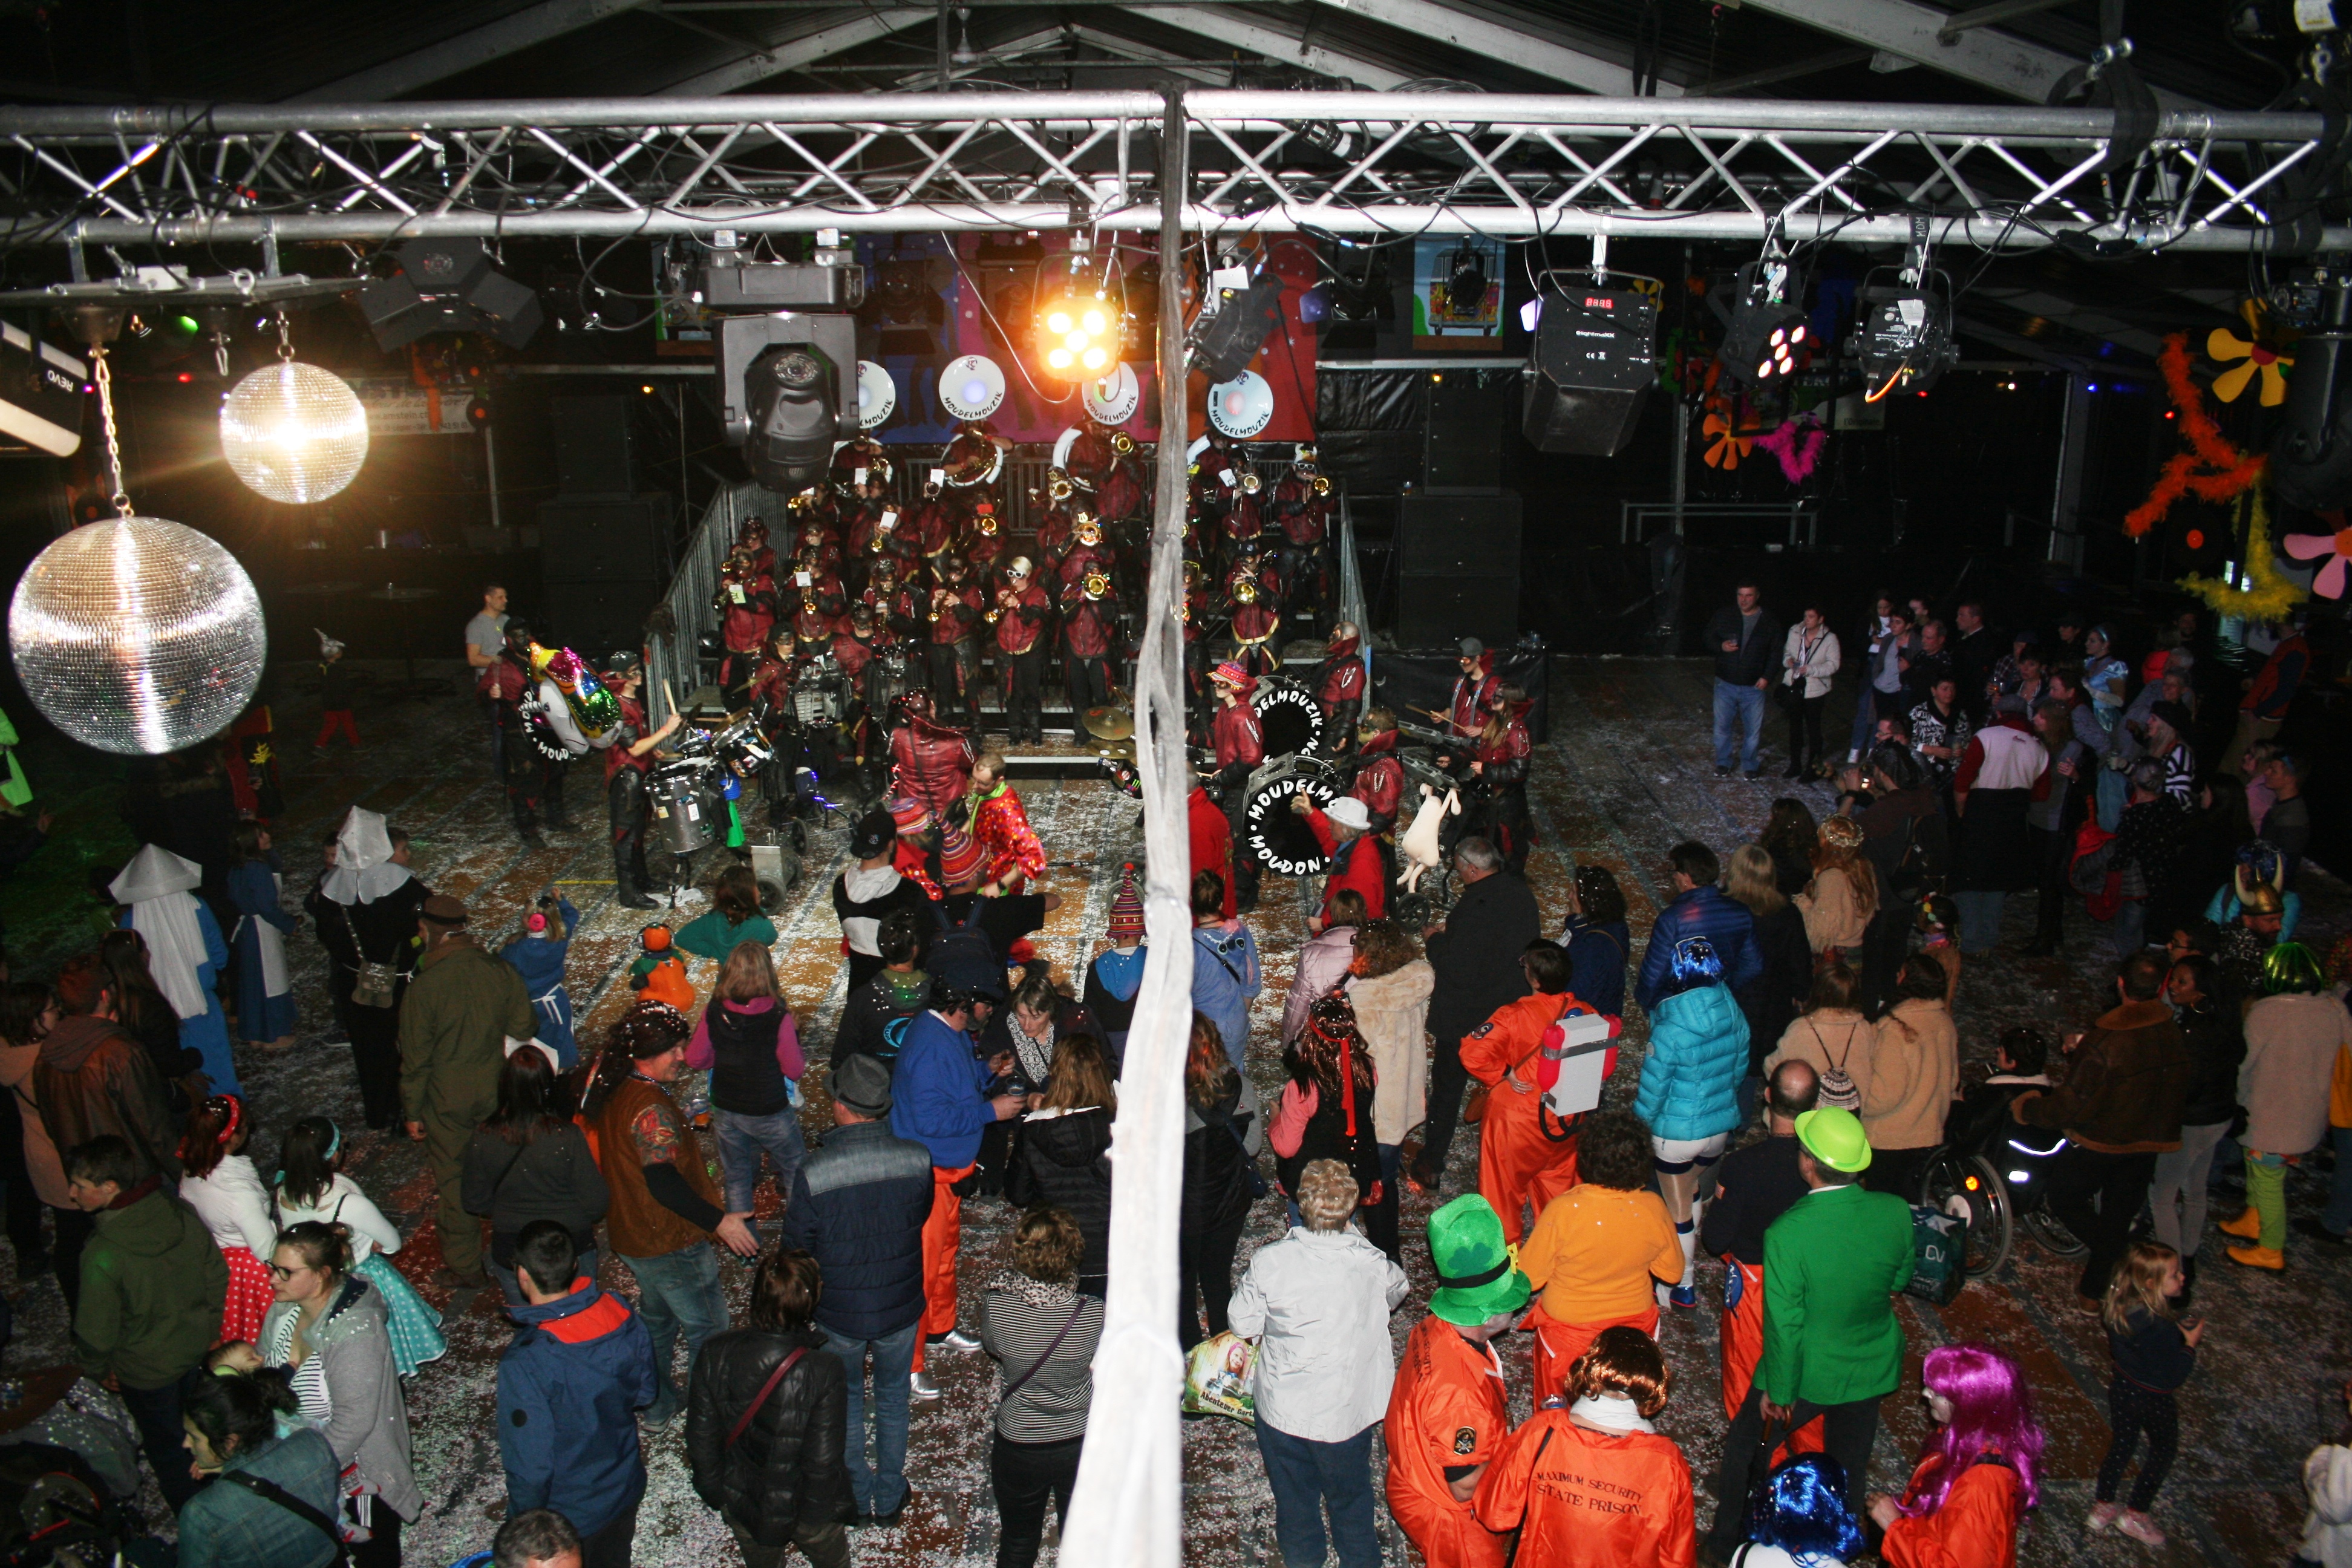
x,y
294,433
1059,321
1060,359
137,636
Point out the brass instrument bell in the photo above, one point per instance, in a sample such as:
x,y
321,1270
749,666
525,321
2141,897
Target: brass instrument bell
x,y
1122,443
1251,484
1098,583
1058,486
1322,485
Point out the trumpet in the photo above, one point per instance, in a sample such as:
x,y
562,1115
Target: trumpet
x,y
1057,485
1251,484
1322,485
1122,443
1098,583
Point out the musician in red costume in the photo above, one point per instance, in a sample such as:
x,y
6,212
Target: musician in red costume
x,y
1057,511
1195,611
1380,777
812,626
771,687
1301,509
1340,686
897,609
983,545
628,747
819,549
753,536
930,761
1499,761
1255,624
1010,855
1090,641
1243,530
746,602
1473,693
1087,552
953,614
1021,611
1240,746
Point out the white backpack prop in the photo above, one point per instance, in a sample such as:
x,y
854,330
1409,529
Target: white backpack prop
x,y
1579,1061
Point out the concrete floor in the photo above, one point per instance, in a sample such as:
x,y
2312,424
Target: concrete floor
x,y
1628,773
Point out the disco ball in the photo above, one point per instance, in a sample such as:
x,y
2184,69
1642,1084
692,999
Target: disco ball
x,y
137,636
294,432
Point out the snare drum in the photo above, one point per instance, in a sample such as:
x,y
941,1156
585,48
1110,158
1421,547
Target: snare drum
x,y
887,679
682,821
1288,716
742,749
1276,837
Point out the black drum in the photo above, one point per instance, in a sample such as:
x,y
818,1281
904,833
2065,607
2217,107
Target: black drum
x,y
684,819
1279,839
742,749
820,695
888,678
1289,716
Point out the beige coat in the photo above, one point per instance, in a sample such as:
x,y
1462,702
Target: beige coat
x,y
1393,1014
2291,1046
41,1160
1912,1076
1833,1035
1834,916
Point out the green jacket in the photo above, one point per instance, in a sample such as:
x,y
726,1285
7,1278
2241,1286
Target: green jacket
x,y
152,1288
1830,1264
453,1024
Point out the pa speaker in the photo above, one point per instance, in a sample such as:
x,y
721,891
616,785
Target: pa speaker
x,y
615,539
1457,568
594,446
1593,371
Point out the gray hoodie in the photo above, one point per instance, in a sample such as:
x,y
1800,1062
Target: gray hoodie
x,y
368,1423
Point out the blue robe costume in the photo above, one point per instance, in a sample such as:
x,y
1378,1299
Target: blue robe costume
x,y
206,1034
540,961
253,893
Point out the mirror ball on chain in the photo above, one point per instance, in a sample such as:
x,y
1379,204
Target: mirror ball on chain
x,y
293,432
137,636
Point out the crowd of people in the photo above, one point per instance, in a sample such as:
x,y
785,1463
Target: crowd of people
x,y
240,1299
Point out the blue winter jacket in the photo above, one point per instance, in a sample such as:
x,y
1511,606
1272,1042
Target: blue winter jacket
x,y
1709,913
1698,1052
569,1385
858,1205
935,1097
1225,975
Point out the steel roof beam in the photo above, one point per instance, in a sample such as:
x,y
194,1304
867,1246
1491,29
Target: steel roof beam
x,y
1503,38
805,45
478,47
1240,29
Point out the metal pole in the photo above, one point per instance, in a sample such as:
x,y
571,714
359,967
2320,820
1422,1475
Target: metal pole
x,y
2066,495
490,462
1127,1507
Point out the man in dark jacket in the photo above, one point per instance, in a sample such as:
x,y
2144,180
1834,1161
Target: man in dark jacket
x,y
1746,642
1699,909
858,1206
1979,648
1477,956
152,1288
763,1423
569,1385
2120,1108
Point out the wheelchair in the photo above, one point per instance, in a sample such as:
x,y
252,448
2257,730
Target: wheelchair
x,y
1997,1180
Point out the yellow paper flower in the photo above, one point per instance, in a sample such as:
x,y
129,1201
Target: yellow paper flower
x,y
2222,344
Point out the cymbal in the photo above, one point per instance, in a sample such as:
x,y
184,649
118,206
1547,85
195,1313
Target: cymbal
x,y
1117,750
1109,724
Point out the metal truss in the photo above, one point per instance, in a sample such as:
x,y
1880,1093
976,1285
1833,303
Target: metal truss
x,y
1359,164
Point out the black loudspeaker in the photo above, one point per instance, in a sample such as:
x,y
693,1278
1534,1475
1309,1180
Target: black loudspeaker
x,y
594,446
602,566
1468,411
594,619
1457,569
448,286
1593,371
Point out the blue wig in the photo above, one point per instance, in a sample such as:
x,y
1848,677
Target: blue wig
x,y
1803,1511
1694,964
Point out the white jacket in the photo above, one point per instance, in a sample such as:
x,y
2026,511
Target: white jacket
x,y
346,1204
1817,661
2328,1529
1321,1299
233,1205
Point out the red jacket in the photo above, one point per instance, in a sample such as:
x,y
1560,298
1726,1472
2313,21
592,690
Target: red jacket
x,y
930,762
773,684
1018,628
1236,735
1380,782
958,613
1356,864
1976,1528
1090,629
852,655
1505,761
1254,624
1213,842
504,679
1471,694
1343,679
744,625
1010,853
632,729
1083,559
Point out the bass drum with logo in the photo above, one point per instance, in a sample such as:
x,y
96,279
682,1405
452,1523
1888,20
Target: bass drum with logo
x,y
1279,837
686,811
1290,718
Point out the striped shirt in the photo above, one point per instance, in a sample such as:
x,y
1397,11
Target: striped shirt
x,y
1021,1319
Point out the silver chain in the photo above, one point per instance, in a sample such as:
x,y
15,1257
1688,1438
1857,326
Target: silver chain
x,y
284,339
120,498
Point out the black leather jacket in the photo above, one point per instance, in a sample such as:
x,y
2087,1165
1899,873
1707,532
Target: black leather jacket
x,y
786,1471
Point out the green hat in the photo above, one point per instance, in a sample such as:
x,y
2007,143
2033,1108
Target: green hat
x,y
1477,1277
1835,1138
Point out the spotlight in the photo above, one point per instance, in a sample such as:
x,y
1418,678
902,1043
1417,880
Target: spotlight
x,y
788,381
1766,338
1466,287
1077,320
1246,317
448,286
1906,337
796,419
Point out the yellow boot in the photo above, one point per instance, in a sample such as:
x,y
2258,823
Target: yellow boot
x,y
2248,1226
2269,1258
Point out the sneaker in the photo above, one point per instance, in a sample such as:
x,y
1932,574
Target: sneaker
x,y
1682,1295
2141,1528
1723,772
2102,1518
921,1386
957,1339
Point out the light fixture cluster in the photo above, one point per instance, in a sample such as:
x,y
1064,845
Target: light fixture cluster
x,y
1079,322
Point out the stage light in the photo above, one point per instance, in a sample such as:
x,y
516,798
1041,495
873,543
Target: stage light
x,y
294,433
794,420
1076,319
186,324
1905,336
448,286
1766,338
184,378
1225,343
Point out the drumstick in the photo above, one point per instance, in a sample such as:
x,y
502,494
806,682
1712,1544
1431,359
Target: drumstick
x,y
667,695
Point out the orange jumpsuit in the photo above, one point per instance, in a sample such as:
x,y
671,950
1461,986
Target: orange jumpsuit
x,y
1581,1499
1594,1257
1976,1528
1519,1160
942,1239
1447,1407
1742,1343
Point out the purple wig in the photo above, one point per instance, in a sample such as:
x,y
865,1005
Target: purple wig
x,y
1992,1417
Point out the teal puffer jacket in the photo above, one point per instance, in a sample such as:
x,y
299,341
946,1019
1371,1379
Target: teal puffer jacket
x,y
1690,1079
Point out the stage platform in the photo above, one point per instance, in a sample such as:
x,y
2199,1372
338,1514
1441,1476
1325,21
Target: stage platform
x,y
1626,775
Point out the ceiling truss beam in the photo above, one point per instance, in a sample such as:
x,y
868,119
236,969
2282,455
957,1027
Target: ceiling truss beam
x,y
478,47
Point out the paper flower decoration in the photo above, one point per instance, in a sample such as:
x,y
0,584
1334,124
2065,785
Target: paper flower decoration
x,y
2335,547
1727,443
2224,344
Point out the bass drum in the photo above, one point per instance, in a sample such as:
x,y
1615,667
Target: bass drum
x,y
1280,840
1289,716
819,693
683,819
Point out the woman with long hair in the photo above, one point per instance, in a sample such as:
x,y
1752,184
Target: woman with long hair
x,y
1981,1469
1788,837
1323,962
1915,1066
141,1011
530,1162
327,1329
1222,1133
313,1189
1326,1110
1771,1000
1063,1156
1499,761
220,1184
748,1040
264,992
1615,1489
734,917
1389,983
2154,1354
238,1423
34,1172
1800,1518
1597,938
1833,1038
1843,895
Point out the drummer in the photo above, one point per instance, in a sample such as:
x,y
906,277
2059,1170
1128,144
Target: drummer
x,y
1473,693
1240,746
1020,613
629,749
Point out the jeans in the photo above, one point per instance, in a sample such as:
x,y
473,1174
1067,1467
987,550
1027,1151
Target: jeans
x,y
2129,930
678,1291
511,1288
883,1488
2338,1214
2112,789
156,1412
743,1139
1980,920
1308,1475
1866,703
2132,1410
1847,1433
2097,1195
614,1546
1026,1477
2183,1172
1739,714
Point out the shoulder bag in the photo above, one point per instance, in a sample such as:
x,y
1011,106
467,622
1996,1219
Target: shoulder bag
x,y
275,1493
743,1422
374,985
1077,1311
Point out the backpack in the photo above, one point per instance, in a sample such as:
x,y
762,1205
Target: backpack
x,y
962,949
1229,952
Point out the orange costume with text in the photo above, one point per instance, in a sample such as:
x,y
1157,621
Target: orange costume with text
x,y
1976,1528
1592,1257
1447,1408
1742,1342
1582,1498
1518,1158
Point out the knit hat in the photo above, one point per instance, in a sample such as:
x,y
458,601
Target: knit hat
x,y
1349,811
961,860
1125,908
1478,1277
909,816
443,911
655,939
1234,675
872,834
862,1084
1835,1138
